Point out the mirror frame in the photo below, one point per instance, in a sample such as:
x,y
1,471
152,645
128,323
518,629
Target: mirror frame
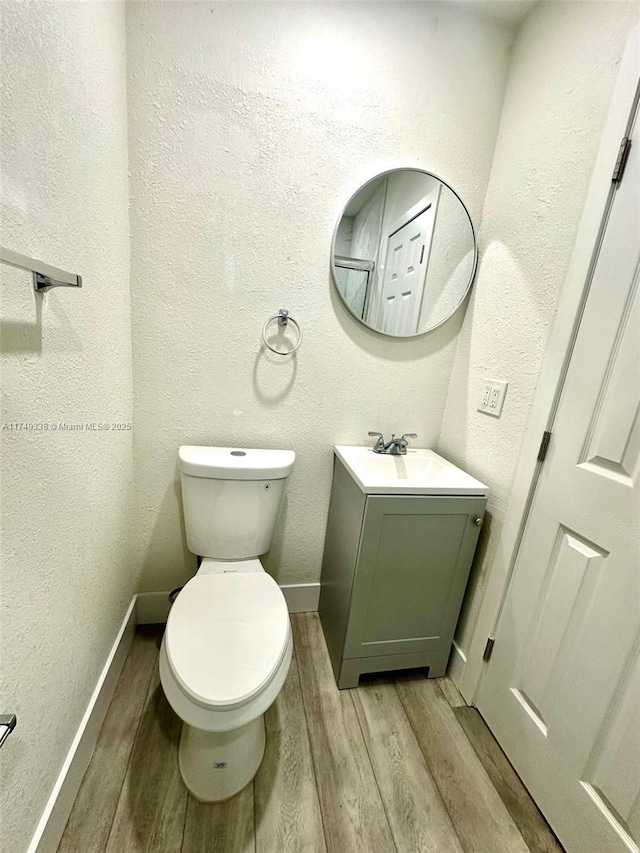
x,y
474,267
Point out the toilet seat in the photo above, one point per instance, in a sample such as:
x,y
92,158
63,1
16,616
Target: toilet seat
x,y
226,636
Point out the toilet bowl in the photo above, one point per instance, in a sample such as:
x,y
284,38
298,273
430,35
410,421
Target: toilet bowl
x,y
227,646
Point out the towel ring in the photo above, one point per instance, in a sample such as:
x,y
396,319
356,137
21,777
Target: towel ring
x,y
283,319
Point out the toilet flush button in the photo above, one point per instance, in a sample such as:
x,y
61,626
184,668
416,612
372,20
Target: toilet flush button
x,y
238,453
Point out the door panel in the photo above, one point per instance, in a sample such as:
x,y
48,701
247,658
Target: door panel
x,y
613,439
567,594
612,779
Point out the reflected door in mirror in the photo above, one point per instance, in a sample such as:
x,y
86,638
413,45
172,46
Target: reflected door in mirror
x,y
405,269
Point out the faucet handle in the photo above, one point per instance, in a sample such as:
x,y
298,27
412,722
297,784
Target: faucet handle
x,y
403,443
380,442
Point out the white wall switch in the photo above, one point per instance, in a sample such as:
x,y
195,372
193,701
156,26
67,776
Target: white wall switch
x,y
492,397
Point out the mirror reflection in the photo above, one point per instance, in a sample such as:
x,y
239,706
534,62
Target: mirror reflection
x,y
404,253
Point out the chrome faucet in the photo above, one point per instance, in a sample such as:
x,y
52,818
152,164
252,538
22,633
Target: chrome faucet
x,y
395,447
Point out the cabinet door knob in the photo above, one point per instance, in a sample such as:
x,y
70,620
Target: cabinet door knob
x,y
477,522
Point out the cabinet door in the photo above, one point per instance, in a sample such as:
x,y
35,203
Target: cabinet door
x,y
412,569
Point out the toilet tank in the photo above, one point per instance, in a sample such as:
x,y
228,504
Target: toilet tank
x,y
231,498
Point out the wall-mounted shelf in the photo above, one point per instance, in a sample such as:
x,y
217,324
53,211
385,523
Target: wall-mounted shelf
x,y
44,275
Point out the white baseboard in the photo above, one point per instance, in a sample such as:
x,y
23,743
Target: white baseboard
x,y
457,663
153,607
301,597
54,818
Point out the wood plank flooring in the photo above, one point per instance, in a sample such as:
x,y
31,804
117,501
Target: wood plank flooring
x,y
479,815
398,765
416,813
287,806
522,809
91,818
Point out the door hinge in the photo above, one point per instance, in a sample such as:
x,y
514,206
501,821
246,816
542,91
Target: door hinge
x,y
621,162
488,649
544,446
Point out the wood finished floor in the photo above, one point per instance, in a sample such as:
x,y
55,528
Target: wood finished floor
x,y
398,765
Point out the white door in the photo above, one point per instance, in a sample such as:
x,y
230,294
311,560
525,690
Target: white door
x,y
404,274
562,688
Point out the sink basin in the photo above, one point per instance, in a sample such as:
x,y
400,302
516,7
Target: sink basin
x,y
420,472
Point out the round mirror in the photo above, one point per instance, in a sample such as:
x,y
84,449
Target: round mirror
x,y
404,253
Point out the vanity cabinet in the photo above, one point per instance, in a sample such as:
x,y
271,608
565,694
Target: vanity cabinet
x,y
394,572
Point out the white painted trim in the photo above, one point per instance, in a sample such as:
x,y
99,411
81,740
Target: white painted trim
x,y
153,607
561,338
301,597
54,818
457,663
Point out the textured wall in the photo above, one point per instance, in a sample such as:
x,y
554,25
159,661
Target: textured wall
x,y
250,127
67,496
556,101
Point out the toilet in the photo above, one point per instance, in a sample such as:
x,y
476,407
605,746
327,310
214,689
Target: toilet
x,y
227,646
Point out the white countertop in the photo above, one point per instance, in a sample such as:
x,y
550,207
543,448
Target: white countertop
x,y
420,472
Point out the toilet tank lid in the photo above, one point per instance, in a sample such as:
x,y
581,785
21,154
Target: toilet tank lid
x,y
235,463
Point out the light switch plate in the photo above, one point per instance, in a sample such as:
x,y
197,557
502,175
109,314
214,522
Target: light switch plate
x,y
492,396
